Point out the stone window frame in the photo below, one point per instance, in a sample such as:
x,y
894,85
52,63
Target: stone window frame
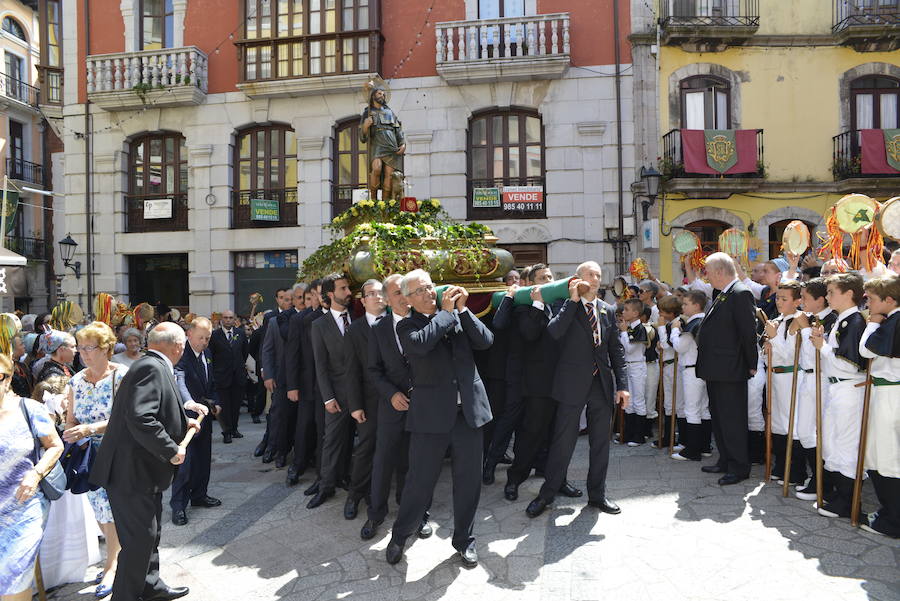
x,y
287,194
733,78
357,148
851,75
131,16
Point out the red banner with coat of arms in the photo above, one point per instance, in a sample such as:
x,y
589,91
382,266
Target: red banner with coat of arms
x,y
880,151
719,152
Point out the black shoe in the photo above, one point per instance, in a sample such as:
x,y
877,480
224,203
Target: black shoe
x,y
313,489
260,449
255,419
506,459
536,507
179,518
206,501
226,437
268,457
469,556
169,593
570,491
606,506
236,434
394,552
280,461
424,528
712,469
351,508
369,529
730,479
321,497
293,476
511,491
487,474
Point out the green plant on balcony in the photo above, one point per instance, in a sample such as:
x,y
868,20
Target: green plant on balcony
x,y
843,167
141,90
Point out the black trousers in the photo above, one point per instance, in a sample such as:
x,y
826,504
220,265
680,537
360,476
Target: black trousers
x,y
230,400
507,422
496,391
258,404
728,409
192,476
137,517
532,436
335,448
279,415
887,490
364,452
565,435
391,456
426,456
304,433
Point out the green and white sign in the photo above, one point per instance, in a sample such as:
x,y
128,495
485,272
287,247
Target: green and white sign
x,y
12,205
486,198
264,210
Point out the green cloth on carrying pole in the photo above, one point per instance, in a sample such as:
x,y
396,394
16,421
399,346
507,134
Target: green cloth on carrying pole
x,y
892,147
12,205
721,149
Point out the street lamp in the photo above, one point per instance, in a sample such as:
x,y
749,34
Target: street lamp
x,y
651,178
67,248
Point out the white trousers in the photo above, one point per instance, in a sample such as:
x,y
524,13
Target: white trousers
x,y
756,421
637,374
781,402
841,421
696,400
883,434
651,388
668,377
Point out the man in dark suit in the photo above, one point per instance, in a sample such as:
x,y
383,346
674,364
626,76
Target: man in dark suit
x,y
229,348
590,371
726,359
309,385
390,377
258,403
294,356
331,348
274,372
447,409
197,386
137,460
363,399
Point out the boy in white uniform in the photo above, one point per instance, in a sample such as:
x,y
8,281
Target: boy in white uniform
x,y
634,341
669,310
698,425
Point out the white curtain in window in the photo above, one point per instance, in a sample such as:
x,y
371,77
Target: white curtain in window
x,y
721,110
864,114
693,110
889,111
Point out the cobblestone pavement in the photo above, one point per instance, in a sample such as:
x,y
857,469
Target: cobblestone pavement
x,y
679,537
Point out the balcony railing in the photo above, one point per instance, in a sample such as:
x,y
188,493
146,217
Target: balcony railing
x,y
19,90
242,209
138,220
32,248
534,47
167,77
865,13
848,159
710,13
673,159
24,170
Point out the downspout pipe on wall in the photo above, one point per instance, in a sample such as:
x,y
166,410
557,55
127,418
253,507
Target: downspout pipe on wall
x,y
620,244
88,173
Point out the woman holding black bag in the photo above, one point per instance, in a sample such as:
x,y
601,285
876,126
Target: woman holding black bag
x,y
90,404
22,503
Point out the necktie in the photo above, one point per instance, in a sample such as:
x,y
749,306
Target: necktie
x,y
346,321
202,364
228,335
592,320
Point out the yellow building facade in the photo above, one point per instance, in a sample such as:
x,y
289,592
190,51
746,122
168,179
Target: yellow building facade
x,y
806,78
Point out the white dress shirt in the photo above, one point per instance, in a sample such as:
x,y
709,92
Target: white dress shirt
x,y
397,319
594,304
166,359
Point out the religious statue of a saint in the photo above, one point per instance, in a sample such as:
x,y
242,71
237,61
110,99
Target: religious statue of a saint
x,y
381,129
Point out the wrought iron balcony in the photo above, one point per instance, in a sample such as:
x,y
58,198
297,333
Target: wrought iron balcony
x,y
32,248
25,171
17,90
849,162
139,219
507,49
678,179
161,78
708,25
243,210
867,25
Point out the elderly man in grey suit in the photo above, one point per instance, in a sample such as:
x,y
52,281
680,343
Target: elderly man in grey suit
x,y
447,408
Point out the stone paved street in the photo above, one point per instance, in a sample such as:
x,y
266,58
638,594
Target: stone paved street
x,y
679,537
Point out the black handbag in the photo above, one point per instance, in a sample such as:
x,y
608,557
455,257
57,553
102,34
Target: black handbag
x,y
77,460
53,484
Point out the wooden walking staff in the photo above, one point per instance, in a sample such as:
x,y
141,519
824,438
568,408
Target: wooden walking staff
x,y
190,433
819,469
861,458
674,404
768,411
790,430
660,405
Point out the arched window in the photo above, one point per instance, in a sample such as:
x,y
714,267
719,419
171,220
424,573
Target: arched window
x,y
349,164
13,27
776,231
705,103
505,149
157,171
708,230
265,177
874,102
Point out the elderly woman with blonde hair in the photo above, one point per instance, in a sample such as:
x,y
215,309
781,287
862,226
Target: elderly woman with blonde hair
x,y
90,402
